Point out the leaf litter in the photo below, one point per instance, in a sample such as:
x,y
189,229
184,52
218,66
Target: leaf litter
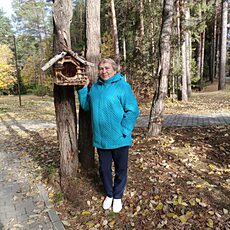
x,y
177,180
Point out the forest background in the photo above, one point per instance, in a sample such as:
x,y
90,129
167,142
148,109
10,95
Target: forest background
x,y
196,23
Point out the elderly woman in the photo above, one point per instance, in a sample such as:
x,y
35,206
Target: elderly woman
x,y
114,111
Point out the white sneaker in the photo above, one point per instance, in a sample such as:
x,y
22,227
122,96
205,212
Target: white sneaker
x,y
107,202
117,205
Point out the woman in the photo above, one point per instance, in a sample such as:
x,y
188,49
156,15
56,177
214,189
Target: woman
x,y
114,111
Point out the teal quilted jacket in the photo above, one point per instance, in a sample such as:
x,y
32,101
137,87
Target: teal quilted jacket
x,y
114,111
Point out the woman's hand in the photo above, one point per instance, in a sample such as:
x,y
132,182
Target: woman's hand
x,y
87,82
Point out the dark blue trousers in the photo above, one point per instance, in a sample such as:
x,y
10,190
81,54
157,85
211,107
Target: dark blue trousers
x,y
114,188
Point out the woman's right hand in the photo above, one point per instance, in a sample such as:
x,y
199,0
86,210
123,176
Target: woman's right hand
x,y
87,82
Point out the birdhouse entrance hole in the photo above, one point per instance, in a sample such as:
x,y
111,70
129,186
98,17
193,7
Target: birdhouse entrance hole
x,y
69,70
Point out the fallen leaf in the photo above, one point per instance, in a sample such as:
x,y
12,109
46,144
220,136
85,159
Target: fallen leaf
x,y
225,211
90,224
85,213
66,223
183,219
210,223
159,206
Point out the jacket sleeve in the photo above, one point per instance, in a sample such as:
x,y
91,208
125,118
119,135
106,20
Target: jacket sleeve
x,y
83,98
131,111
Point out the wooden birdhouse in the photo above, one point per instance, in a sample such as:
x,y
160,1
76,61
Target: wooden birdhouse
x,y
69,69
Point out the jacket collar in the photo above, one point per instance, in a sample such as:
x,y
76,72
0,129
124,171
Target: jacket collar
x,y
116,77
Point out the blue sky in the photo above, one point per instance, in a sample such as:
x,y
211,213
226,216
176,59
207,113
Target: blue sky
x,y
6,6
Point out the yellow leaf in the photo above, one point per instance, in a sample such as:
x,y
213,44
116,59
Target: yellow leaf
x,y
199,186
180,199
90,224
51,195
175,202
211,212
183,219
85,213
198,200
219,173
210,223
192,202
159,206
211,166
210,173
188,214
111,224
172,215
226,170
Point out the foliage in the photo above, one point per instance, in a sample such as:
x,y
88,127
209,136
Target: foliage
x,y
77,27
33,23
107,48
42,90
5,29
7,80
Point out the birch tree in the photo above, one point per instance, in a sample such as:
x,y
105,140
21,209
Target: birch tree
x,y
223,45
115,33
156,114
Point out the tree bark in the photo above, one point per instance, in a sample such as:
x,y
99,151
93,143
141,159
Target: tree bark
x,y
64,99
142,28
115,34
93,37
156,114
214,42
184,72
223,43
184,50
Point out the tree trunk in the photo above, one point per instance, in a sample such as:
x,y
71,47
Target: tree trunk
x,y
202,60
184,51
214,42
178,52
115,34
86,155
223,43
64,98
184,72
188,52
156,114
142,28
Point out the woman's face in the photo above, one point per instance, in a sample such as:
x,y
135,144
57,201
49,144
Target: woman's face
x,y
106,71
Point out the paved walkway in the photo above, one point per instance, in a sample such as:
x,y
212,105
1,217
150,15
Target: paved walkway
x,y
186,120
24,202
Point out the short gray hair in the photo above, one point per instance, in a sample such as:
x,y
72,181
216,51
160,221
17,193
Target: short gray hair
x,y
110,61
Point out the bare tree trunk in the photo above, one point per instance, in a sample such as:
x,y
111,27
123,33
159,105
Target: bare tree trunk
x,y
156,114
64,98
184,51
184,72
178,58
142,29
202,60
223,43
115,34
188,52
214,41
86,155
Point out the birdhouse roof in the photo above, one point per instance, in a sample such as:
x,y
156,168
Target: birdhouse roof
x,y
61,55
